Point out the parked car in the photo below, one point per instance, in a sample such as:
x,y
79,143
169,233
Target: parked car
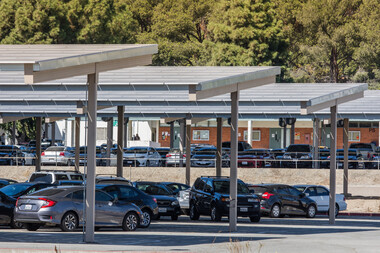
x,y
100,156
211,196
298,156
163,152
103,179
255,158
173,158
278,200
181,191
242,145
278,155
141,156
127,193
320,195
64,206
324,157
206,157
53,176
18,189
176,187
355,159
366,149
7,205
57,155
11,155
29,156
5,182
167,203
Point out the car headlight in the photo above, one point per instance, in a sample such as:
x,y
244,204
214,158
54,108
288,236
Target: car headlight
x,y
287,157
175,203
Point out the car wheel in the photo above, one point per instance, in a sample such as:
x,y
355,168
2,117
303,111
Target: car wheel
x,y
311,211
275,212
32,226
130,222
254,218
174,217
69,222
215,214
16,225
194,215
147,218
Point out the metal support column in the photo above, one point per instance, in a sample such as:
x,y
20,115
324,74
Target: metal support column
x,y
171,134
284,140
77,142
249,132
46,131
218,163
109,140
14,133
120,125
126,121
316,143
292,133
345,164
188,150
92,80
234,152
333,136
182,140
53,133
38,143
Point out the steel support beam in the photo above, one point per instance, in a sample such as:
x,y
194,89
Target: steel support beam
x,y
109,140
218,163
120,132
292,133
171,134
284,140
53,133
126,121
316,143
38,143
182,140
77,142
92,80
333,137
233,168
249,132
345,163
14,133
188,150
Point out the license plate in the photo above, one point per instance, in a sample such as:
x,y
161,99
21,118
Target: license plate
x,y
243,209
51,159
28,207
244,163
162,210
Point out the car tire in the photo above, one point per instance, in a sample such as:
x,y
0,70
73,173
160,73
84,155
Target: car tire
x,y
130,222
147,218
32,226
215,214
174,217
255,218
69,222
194,215
311,211
275,211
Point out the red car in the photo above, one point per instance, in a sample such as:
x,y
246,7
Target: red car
x,y
254,158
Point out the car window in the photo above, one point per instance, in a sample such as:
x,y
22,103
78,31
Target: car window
x,y
282,190
48,192
78,195
15,189
113,191
76,177
101,196
311,191
294,191
127,193
41,177
153,189
61,177
258,189
202,184
208,186
322,191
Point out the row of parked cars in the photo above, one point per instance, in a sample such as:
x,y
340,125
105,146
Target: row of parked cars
x,y
56,198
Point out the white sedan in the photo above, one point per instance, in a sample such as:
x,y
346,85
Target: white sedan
x,y
320,195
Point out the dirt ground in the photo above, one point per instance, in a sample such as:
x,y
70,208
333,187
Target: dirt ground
x,y
364,185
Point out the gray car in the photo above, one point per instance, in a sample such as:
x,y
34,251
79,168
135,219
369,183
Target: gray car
x,y
63,206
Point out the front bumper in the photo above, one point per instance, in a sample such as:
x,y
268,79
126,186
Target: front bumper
x,y
243,210
169,210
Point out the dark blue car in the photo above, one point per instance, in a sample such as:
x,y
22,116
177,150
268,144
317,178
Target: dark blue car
x,y
355,159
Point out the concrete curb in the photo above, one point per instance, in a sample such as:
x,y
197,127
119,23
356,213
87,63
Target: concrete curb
x,y
360,214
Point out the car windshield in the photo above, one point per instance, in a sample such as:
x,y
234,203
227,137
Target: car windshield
x,y
300,188
298,148
361,146
41,177
223,187
136,151
53,148
154,189
14,189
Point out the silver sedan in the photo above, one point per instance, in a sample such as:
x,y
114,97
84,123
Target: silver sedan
x,y
64,206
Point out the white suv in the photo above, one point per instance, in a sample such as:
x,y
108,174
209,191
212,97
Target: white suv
x,y
52,177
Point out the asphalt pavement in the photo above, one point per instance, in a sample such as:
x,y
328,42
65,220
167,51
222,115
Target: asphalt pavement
x,y
295,234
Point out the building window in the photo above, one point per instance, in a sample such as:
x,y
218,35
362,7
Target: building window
x,y
353,135
256,135
201,135
101,133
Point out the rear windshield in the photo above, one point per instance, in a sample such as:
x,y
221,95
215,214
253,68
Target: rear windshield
x,y
40,177
47,192
361,146
153,189
54,148
259,189
298,148
223,187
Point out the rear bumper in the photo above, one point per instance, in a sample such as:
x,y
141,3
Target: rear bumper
x,y
242,210
169,210
37,217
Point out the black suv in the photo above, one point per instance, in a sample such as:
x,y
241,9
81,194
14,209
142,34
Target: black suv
x,y
210,196
280,199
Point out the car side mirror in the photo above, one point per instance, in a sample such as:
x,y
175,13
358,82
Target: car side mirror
x,y
302,195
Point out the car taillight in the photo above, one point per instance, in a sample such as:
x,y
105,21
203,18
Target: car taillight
x,y
266,195
61,154
155,200
17,200
184,155
48,202
43,153
168,155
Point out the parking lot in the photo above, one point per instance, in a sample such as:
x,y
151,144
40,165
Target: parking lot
x,y
296,234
